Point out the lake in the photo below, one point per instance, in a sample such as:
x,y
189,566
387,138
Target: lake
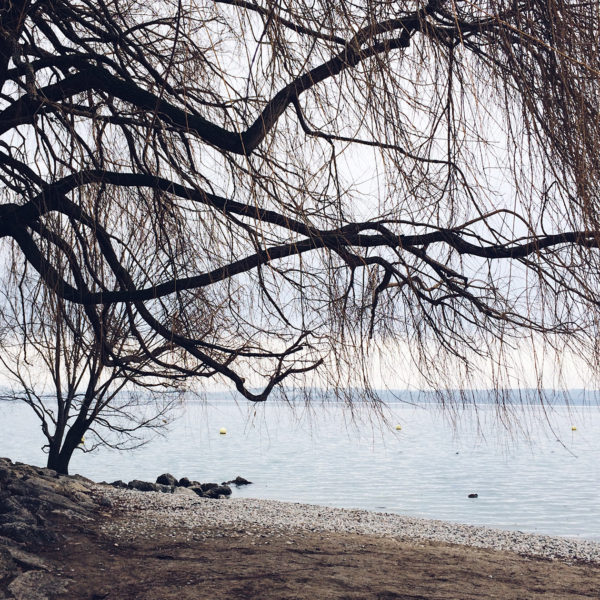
x,y
533,473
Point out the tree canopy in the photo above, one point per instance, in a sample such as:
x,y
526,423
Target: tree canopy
x,y
306,181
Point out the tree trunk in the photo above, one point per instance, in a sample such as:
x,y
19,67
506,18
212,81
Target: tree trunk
x,y
53,456
59,460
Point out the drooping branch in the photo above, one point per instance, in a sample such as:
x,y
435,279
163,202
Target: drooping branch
x,y
25,109
435,183
348,236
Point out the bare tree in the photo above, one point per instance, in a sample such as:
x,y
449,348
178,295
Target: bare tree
x,y
307,181
53,363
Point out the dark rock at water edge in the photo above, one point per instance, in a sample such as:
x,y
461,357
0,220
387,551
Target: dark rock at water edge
x,y
167,479
206,487
142,486
167,483
147,486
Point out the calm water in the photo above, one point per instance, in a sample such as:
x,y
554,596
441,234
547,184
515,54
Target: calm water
x,y
536,475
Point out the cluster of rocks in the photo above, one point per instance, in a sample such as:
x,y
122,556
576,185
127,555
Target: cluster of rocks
x,y
32,501
169,484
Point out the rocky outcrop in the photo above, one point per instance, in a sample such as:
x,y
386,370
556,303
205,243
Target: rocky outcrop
x,y
38,505
32,501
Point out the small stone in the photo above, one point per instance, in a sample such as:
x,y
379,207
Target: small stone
x,y
473,496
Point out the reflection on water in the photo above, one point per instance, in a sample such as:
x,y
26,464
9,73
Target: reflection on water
x,y
536,475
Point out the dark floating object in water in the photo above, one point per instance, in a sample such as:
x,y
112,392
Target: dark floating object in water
x,y
473,496
238,481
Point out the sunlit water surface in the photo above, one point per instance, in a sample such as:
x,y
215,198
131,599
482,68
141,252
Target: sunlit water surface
x,y
532,474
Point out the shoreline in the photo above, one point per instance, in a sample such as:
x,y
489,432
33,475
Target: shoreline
x,y
142,510
65,537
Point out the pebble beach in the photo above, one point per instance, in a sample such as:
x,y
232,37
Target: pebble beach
x,y
142,512
65,537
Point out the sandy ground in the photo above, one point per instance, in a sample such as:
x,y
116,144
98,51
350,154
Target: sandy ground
x,y
301,565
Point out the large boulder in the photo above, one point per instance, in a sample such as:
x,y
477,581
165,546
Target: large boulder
x,y
184,482
166,479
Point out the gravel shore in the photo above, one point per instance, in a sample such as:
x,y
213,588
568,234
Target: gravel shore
x,y
204,518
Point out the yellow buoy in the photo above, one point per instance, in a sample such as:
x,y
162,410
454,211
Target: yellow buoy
x,y
573,428
398,428
222,431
